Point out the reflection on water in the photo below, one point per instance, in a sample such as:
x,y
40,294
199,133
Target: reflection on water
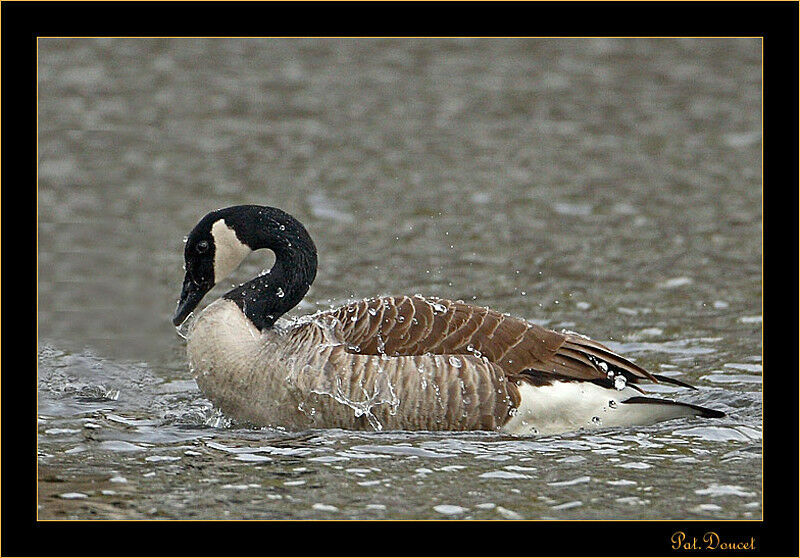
x,y
611,187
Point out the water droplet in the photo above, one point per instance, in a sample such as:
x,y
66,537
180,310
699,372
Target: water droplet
x,y
372,312
619,382
596,420
455,362
282,227
280,293
612,404
183,328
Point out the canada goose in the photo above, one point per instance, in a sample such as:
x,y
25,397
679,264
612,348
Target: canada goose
x,y
398,363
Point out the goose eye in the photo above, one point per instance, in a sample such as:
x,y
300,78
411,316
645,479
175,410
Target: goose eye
x,y
202,246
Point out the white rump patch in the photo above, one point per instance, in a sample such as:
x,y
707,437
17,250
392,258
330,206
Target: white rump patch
x,y
229,250
567,406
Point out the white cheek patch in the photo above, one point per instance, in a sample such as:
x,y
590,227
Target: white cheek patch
x,y
229,251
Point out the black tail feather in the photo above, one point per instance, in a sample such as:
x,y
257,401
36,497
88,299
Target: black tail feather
x,y
673,381
703,411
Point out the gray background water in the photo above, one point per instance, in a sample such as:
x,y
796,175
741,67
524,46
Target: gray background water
x,y
612,187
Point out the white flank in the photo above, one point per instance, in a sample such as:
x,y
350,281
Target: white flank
x,y
229,251
567,406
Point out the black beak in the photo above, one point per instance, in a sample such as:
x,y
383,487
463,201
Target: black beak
x,y
191,295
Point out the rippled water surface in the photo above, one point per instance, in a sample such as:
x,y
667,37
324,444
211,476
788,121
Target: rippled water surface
x,y
610,187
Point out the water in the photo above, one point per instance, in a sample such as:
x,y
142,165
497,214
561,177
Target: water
x,y
611,187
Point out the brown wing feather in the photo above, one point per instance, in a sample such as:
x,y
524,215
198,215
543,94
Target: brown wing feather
x,y
409,326
595,349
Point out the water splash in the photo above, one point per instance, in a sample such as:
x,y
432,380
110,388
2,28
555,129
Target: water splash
x,y
382,393
183,329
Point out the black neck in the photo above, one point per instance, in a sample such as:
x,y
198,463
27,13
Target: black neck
x,y
267,297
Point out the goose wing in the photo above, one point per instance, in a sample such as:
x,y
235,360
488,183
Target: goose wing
x,y
351,387
413,326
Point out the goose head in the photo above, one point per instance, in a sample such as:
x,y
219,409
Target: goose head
x,y
222,239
